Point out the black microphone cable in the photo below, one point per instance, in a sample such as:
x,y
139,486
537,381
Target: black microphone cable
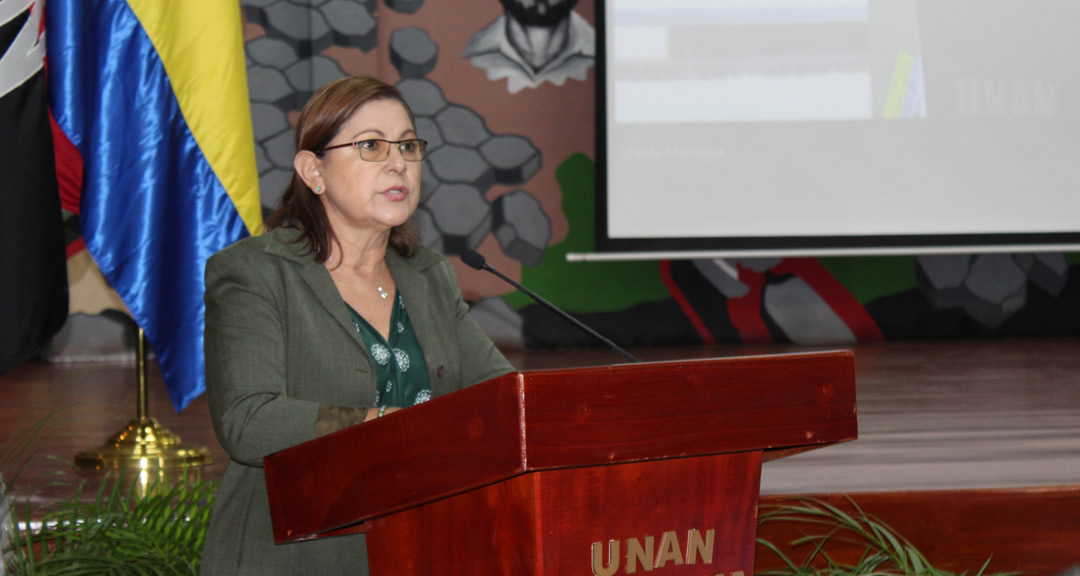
x,y
474,259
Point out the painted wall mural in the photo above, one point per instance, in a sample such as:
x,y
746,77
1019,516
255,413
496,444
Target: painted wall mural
x,y
503,91
532,42
487,184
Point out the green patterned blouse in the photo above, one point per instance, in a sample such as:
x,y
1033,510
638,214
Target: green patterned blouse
x,y
400,368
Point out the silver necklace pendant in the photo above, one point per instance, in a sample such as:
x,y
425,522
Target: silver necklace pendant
x,y
382,293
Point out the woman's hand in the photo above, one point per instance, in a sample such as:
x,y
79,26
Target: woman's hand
x,y
373,413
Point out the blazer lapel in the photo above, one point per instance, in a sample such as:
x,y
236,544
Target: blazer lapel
x,y
318,280
326,292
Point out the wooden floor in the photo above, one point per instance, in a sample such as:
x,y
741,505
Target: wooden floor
x,y
1002,416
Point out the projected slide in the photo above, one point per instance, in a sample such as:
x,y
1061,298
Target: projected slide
x,y
765,60
728,120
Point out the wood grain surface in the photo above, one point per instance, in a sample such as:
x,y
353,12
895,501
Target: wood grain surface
x,y
978,440
552,419
545,524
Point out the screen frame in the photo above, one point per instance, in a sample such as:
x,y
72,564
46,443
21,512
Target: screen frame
x,y
773,245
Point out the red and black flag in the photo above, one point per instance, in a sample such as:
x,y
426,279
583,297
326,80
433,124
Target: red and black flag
x,y
33,269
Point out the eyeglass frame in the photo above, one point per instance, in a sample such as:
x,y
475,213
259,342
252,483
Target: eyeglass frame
x,y
423,148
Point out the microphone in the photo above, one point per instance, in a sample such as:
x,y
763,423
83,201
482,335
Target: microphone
x,y
474,259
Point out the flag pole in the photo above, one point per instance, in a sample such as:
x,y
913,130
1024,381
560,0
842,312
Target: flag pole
x,y
143,444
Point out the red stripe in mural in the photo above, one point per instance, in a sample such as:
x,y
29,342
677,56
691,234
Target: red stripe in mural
x,y
835,295
745,312
77,245
687,308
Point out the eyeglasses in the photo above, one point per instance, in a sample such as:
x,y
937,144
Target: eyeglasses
x,y
377,149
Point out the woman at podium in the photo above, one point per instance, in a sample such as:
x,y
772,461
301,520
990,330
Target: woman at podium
x,y
334,317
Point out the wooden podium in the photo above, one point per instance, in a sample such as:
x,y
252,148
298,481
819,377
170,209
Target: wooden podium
x,y
622,469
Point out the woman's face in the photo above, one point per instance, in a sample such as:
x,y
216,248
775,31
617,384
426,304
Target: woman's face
x,y
370,196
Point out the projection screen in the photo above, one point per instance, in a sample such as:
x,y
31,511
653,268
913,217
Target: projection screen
x,y
838,126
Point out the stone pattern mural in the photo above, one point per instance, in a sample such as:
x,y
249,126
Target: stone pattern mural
x,y
510,172
991,287
465,159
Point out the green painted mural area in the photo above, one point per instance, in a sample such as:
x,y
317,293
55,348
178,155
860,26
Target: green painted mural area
x,y
870,277
586,286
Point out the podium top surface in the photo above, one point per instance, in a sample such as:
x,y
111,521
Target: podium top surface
x,y
540,420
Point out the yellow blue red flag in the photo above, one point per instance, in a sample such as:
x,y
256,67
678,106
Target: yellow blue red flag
x,y
153,94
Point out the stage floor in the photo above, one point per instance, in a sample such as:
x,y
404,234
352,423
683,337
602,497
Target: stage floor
x,y
932,415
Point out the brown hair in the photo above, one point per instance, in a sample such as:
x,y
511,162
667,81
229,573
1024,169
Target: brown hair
x,y
320,121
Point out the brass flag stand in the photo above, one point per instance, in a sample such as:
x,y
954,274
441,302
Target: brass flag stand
x,y
143,444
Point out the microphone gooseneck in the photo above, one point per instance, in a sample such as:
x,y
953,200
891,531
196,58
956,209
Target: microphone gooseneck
x,y
474,259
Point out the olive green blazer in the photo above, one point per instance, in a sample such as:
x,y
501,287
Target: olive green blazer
x,y
279,344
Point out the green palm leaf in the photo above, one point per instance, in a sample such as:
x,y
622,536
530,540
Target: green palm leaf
x,y
885,552
156,530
